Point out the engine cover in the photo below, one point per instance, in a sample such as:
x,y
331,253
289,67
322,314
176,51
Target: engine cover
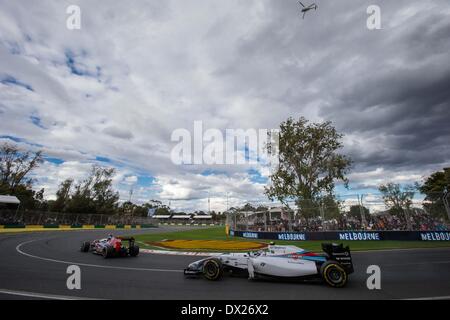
x,y
284,267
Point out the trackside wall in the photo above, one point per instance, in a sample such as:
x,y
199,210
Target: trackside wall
x,y
347,235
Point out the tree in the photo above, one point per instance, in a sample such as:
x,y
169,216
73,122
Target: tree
x,y
309,164
398,200
248,207
328,206
105,198
39,201
62,196
331,206
435,188
355,211
15,167
128,207
95,194
163,210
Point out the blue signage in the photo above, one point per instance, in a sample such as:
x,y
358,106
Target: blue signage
x,y
252,235
360,235
292,236
435,236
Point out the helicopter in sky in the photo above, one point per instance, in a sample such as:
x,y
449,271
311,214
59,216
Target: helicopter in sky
x,y
307,8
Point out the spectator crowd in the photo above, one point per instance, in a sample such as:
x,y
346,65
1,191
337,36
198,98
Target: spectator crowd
x,y
418,221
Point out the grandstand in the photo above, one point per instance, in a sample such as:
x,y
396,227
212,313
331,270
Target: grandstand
x,y
184,219
279,219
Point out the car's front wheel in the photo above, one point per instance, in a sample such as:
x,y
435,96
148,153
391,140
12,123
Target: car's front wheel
x,y
212,269
107,252
334,274
85,246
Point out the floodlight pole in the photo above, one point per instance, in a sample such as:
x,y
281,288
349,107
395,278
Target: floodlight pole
x,y
322,214
227,201
17,211
265,220
209,204
246,218
445,199
361,210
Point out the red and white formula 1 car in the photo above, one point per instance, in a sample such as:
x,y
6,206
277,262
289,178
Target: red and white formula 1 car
x,y
111,247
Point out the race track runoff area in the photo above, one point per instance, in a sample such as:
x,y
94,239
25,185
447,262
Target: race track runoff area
x,y
33,265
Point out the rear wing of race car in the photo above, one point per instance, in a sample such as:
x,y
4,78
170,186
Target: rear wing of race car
x,y
340,254
129,239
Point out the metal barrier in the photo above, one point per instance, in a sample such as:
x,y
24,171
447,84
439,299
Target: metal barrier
x,y
8,217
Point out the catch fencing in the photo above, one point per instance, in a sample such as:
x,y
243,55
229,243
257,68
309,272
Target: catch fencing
x,y
9,217
348,212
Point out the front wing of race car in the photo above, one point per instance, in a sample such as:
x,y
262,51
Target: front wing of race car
x,y
195,268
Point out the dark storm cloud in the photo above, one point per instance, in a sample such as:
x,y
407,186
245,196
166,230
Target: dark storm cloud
x,y
407,102
388,90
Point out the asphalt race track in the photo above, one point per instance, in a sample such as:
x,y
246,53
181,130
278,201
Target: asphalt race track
x,y
33,266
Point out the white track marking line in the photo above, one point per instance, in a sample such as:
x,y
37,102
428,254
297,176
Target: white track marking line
x,y
430,298
180,253
18,249
41,295
415,263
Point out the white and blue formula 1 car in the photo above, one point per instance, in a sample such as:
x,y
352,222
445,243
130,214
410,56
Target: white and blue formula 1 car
x,y
285,262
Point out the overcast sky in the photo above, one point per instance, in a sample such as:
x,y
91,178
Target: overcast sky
x,y
113,92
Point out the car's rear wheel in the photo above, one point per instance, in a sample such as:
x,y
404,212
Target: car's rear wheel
x,y
134,251
334,274
85,246
212,269
107,252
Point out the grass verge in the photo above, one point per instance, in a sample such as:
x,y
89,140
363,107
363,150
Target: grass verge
x,y
218,233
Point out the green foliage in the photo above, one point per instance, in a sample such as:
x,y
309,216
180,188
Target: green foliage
x,y
163,210
93,195
62,196
331,207
130,208
15,167
309,165
328,206
355,211
396,199
434,188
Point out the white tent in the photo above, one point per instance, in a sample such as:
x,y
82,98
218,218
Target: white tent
x,y
181,217
9,199
161,217
203,217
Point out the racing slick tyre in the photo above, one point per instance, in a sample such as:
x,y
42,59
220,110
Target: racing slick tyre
x,y
123,252
107,252
134,251
333,274
212,269
85,246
